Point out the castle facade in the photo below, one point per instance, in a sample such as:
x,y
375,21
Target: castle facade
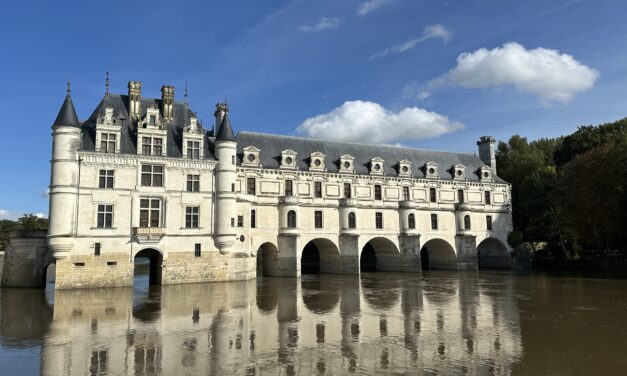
x,y
142,177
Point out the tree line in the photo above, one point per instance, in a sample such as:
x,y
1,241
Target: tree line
x,y
25,222
569,192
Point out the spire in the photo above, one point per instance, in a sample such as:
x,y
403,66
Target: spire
x,y
67,114
225,133
186,94
107,86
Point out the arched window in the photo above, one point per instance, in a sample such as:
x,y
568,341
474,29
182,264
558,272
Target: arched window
x,y
352,221
411,221
291,219
467,222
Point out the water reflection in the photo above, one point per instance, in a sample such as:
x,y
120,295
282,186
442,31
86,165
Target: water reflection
x,y
438,323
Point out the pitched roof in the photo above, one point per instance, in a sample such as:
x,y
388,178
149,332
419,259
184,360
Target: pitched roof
x,y
67,114
225,133
271,146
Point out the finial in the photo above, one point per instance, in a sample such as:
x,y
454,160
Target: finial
x,y
107,86
226,105
186,94
69,89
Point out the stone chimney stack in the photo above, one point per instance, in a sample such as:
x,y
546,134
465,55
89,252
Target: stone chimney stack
x,y
134,99
487,152
221,110
167,102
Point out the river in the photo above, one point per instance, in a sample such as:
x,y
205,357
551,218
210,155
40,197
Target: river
x,y
448,323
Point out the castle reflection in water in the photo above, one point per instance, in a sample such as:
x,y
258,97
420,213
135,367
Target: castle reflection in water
x,y
377,324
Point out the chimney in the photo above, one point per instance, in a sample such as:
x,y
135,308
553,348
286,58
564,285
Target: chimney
x,y
487,153
167,102
221,110
134,99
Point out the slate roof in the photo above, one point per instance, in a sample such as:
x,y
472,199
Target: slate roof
x,y
271,147
225,133
128,136
67,114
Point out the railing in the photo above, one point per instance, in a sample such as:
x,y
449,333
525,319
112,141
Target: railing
x,y
148,230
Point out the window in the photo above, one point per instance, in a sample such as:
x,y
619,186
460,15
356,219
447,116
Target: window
x,y
488,198
411,221
288,188
406,194
467,222
105,179
318,219
192,216
232,159
352,220
240,221
97,249
434,221
432,195
105,216
318,189
253,218
152,175
250,186
460,196
152,145
377,192
378,219
152,119
149,212
488,222
347,190
193,149
193,183
291,219
197,250
107,142
232,222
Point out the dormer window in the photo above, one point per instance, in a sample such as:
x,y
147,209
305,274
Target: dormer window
x,y
107,133
316,161
404,168
431,169
376,166
251,156
459,172
347,163
193,140
108,142
288,159
485,173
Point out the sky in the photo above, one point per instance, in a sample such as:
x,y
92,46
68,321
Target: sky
x,y
419,73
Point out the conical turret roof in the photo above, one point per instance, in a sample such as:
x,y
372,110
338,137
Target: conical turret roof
x,y
67,114
225,133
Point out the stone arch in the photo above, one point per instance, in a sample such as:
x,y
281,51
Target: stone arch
x,y
49,274
155,259
438,254
379,254
320,255
267,260
493,254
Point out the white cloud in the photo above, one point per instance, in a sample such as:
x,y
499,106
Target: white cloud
x,y
551,75
432,31
364,121
7,214
370,6
324,23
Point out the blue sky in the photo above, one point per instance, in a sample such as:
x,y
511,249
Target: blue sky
x,y
433,74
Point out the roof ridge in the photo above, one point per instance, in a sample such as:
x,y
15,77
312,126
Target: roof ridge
x,y
354,143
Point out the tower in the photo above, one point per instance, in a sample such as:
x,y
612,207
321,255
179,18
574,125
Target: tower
x,y
487,153
135,99
64,179
225,149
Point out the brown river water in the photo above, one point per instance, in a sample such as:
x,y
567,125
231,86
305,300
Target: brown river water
x,y
447,323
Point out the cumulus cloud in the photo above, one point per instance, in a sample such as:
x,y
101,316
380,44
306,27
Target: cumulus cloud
x,y
432,31
324,23
551,75
7,214
370,6
364,121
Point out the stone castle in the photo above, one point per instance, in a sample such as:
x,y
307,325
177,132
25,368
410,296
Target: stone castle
x,y
142,177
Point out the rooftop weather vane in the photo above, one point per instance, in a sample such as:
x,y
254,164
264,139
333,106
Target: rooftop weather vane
x,y
107,86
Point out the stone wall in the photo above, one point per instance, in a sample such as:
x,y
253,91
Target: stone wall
x,y
210,267
112,270
25,259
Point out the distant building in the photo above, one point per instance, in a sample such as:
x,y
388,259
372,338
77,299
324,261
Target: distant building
x,y
143,177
